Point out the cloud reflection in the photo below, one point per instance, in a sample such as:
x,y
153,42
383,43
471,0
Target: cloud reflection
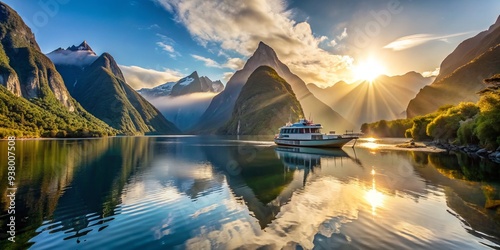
x,y
297,222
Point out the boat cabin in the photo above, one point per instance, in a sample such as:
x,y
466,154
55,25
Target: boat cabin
x,y
285,130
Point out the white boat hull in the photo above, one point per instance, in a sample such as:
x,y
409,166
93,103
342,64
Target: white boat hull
x,y
326,143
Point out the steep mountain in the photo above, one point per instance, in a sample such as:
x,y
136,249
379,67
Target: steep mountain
x,y
266,102
102,90
24,70
221,107
385,98
72,61
189,84
461,74
470,49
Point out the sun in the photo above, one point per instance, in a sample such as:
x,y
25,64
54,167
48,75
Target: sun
x,y
368,70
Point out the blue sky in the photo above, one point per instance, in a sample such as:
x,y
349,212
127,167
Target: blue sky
x,y
321,41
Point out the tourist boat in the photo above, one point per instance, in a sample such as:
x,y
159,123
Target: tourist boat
x,y
305,133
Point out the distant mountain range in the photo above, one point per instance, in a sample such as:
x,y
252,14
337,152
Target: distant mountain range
x,y
266,102
183,102
187,85
385,98
461,73
222,106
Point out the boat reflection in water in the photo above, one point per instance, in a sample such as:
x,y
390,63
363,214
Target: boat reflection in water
x,y
307,159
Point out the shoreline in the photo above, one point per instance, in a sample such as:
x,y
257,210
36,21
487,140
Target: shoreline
x,y
472,150
405,144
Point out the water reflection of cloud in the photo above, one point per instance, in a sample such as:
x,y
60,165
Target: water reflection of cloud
x,y
298,221
414,232
204,210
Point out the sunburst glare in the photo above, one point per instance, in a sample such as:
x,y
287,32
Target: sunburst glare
x,y
368,70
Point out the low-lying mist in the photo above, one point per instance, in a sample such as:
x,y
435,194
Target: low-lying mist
x,y
184,111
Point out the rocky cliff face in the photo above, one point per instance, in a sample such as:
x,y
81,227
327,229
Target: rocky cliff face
x,y
24,69
470,49
265,104
102,90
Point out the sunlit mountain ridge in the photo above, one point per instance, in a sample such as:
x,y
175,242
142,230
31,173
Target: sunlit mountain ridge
x,y
462,73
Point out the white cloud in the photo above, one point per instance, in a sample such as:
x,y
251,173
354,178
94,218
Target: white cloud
x,y
227,75
432,73
239,26
231,63
208,62
68,57
234,63
138,77
411,41
166,44
343,35
332,43
165,47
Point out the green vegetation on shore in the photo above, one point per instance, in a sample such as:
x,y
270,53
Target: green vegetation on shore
x,y
465,123
46,118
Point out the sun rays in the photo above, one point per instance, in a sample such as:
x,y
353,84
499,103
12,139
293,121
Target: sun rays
x,y
368,70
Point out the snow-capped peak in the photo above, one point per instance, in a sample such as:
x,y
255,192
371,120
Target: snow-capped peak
x,y
83,46
186,81
81,55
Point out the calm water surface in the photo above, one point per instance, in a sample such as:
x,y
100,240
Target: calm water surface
x,y
224,193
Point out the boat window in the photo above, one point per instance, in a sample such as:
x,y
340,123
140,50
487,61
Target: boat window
x,y
301,131
295,130
308,130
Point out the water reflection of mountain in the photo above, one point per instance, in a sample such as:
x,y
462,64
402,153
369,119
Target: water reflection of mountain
x,y
74,186
95,192
467,189
254,174
45,170
266,177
